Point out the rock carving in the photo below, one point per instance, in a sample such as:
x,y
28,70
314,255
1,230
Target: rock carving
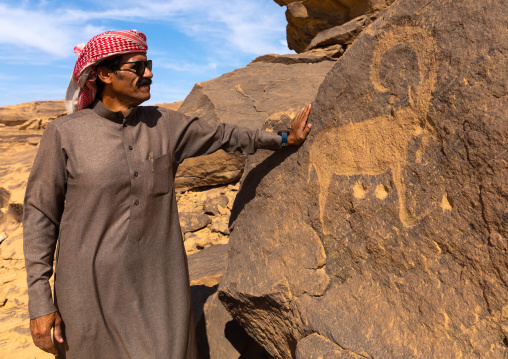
x,y
376,145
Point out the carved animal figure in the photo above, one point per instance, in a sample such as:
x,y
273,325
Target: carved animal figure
x,y
374,146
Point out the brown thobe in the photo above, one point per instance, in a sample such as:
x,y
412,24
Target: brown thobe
x,y
103,185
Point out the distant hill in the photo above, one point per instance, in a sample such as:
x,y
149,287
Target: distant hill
x,y
19,114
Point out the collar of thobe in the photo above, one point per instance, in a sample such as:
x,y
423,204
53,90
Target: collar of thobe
x,y
115,116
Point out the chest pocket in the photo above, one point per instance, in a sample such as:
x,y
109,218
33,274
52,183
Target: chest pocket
x,y
161,175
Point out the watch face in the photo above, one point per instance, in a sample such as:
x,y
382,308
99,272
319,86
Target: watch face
x,y
284,135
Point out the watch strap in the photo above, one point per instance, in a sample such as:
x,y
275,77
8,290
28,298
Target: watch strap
x,y
284,135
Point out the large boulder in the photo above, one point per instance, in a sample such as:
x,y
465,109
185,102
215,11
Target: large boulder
x,y
386,233
271,87
218,335
307,18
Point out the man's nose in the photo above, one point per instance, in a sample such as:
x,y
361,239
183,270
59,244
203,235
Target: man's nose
x,y
148,73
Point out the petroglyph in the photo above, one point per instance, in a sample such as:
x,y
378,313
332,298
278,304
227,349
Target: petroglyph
x,y
402,66
381,191
359,190
446,203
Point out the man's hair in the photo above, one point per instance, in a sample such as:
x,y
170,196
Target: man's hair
x,y
111,63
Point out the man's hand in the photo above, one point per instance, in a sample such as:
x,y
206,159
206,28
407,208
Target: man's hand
x,y
299,128
40,328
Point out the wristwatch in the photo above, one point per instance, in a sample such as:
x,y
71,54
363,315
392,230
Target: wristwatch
x,y
284,135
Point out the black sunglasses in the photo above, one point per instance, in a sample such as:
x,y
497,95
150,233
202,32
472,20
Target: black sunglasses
x,y
139,66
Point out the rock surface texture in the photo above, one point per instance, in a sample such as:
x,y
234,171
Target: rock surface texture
x,y
31,113
386,234
270,87
307,18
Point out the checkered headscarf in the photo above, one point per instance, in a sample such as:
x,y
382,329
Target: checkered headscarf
x,y
82,87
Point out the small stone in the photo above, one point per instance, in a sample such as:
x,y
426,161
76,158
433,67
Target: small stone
x,y
15,210
222,210
188,236
190,245
4,197
205,238
234,187
220,225
3,237
34,141
191,222
211,205
231,197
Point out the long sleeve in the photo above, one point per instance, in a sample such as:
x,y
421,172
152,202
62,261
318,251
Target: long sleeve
x,y
201,137
43,207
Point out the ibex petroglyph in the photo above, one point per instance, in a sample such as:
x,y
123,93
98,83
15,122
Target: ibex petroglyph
x,y
374,146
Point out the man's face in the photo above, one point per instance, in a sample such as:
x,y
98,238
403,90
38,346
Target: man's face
x,y
129,88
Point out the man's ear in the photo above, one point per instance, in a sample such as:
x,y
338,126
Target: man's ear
x,y
104,74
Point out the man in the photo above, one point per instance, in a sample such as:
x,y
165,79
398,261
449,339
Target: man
x,y
102,185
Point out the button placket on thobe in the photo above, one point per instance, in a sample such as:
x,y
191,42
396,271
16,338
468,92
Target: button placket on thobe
x,y
137,201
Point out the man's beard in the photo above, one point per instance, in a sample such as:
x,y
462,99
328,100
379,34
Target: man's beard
x,y
144,82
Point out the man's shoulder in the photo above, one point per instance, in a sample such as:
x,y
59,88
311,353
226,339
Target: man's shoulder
x,y
63,120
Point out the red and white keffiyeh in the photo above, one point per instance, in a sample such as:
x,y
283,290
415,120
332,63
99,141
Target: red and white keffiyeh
x,y
82,87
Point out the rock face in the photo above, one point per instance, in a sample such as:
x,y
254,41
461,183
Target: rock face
x,y
306,18
316,346
204,216
270,87
39,111
386,233
217,168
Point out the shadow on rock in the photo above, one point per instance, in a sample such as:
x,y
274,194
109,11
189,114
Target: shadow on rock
x,y
254,176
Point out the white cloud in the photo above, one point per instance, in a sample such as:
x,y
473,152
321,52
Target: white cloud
x,y
241,24
186,67
221,35
49,32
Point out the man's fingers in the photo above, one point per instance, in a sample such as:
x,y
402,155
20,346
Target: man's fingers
x,y
301,117
305,132
48,345
307,129
44,342
40,328
57,331
299,128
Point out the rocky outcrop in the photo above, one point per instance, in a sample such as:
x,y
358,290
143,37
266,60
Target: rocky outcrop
x,y
171,105
340,35
216,169
204,215
36,115
307,18
270,87
31,112
316,346
218,335
386,234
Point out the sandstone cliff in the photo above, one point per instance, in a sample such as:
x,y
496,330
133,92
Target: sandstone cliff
x,y
267,89
385,235
307,18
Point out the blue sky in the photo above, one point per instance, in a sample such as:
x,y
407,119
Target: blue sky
x,y
189,41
